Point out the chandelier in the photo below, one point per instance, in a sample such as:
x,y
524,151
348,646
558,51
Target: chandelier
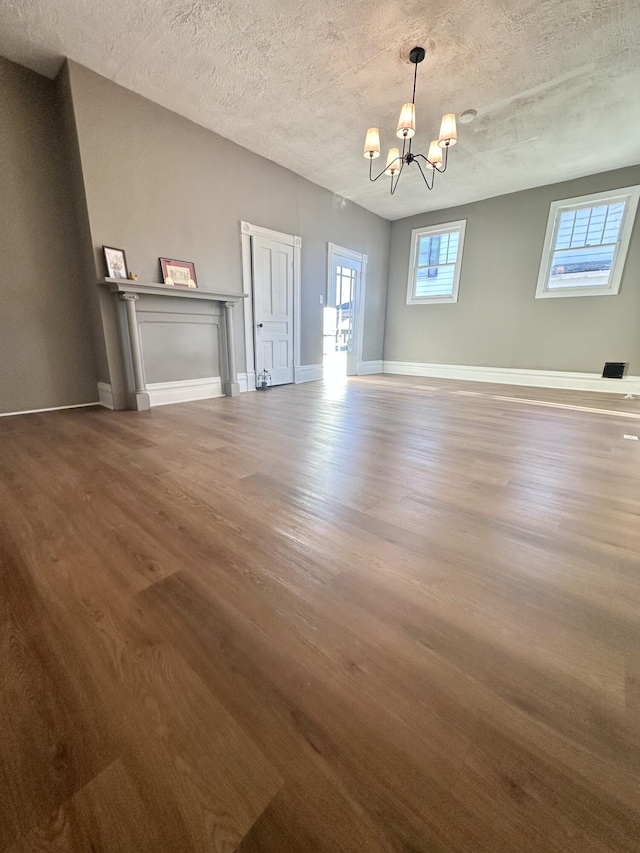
x,y
436,158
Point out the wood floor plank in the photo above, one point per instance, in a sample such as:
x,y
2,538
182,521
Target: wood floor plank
x,y
45,754
546,808
310,814
106,816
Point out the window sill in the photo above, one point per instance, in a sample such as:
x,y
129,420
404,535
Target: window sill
x,y
437,300
582,291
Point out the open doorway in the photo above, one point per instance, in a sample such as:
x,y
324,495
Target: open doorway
x,y
342,320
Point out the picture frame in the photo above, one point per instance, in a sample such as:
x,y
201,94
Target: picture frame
x,y
116,262
178,273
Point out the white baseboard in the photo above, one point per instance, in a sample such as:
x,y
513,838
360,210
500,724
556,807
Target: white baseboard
x,y
105,395
517,376
366,368
247,381
308,373
185,391
50,409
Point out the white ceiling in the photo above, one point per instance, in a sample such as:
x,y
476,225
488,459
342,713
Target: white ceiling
x,y
555,82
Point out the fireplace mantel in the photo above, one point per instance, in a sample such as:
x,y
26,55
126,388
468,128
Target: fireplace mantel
x,y
129,292
125,285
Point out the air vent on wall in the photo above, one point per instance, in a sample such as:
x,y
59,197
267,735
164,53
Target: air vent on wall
x,y
614,369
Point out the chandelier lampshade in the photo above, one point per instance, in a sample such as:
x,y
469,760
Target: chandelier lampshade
x,y
448,131
372,143
393,162
434,161
407,122
434,157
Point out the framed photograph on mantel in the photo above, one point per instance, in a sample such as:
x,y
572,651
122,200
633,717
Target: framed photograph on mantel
x,y
116,262
178,273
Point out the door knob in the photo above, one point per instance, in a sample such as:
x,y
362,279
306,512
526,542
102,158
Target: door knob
x,y
260,325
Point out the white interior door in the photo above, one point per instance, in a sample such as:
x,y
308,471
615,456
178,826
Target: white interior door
x,y
272,265
340,314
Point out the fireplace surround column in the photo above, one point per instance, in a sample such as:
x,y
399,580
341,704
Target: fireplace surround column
x,y
140,398
231,386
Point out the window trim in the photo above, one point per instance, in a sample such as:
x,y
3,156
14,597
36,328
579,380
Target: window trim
x,y
433,230
630,195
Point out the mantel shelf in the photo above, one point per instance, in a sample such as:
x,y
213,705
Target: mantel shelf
x,y
125,285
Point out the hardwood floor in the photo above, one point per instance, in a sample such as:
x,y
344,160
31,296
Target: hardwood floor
x,y
396,615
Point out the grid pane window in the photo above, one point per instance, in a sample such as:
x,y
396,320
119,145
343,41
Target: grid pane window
x,y
435,271
584,251
585,246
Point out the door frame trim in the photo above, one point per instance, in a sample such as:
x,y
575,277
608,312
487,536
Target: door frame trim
x,y
247,231
334,249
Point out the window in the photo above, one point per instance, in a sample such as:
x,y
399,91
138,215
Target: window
x,y
586,244
436,257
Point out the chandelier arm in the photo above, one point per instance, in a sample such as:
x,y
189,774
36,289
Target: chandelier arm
x,y
426,160
434,166
446,159
371,178
422,172
394,187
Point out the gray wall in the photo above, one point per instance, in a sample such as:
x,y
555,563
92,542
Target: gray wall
x,y
497,322
46,357
159,185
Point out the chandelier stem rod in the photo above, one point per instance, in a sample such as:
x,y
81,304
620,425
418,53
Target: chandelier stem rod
x,y
415,79
413,97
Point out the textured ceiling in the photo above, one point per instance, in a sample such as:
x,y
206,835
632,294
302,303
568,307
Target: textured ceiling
x,y
555,83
